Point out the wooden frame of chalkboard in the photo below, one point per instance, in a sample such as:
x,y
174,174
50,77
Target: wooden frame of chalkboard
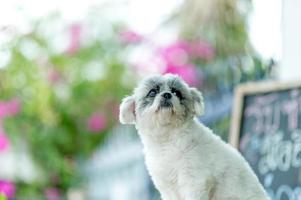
x,y
252,88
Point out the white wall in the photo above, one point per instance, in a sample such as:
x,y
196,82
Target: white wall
x,y
290,67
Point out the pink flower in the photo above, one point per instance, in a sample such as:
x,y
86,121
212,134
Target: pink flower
x,y
97,122
54,76
130,36
9,108
4,141
75,36
202,50
176,53
7,188
187,72
180,52
177,59
52,194
13,107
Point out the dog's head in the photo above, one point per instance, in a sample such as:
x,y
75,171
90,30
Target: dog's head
x,y
161,100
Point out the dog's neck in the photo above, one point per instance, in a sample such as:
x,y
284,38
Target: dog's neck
x,y
161,135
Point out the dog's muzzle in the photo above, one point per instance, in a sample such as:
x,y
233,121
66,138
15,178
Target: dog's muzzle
x,y
166,100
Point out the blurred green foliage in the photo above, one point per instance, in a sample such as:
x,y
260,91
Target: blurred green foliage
x,y
57,98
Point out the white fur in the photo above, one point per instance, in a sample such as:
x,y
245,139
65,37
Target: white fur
x,y
186,160
191,163
127,111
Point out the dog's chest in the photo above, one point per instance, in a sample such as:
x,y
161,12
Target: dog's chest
x,y
164,164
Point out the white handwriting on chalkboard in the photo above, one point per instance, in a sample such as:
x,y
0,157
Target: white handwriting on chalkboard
x,y
290,108
266,118
280,154
285,192
267,112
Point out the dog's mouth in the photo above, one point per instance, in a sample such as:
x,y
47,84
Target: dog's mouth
x,y
165,104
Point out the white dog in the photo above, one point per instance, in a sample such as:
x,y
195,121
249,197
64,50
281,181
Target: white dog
x,y
184,158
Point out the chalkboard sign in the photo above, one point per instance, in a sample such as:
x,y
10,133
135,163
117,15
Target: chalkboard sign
x,y
266,129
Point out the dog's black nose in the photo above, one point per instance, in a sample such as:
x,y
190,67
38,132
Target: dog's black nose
x,y
167,95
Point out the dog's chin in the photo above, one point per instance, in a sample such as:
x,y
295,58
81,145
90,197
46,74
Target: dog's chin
x,y
164,113
165,107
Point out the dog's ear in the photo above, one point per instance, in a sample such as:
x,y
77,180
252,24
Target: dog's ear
x,y
127,111
198,103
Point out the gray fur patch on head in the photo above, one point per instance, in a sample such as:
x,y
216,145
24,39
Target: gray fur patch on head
x,y
185,103
153,82
147,84
143,101
176,82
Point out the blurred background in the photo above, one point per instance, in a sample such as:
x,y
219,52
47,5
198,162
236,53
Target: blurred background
x,y
65,66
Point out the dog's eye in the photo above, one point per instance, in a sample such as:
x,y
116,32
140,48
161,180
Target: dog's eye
x,y
177,93
152,93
